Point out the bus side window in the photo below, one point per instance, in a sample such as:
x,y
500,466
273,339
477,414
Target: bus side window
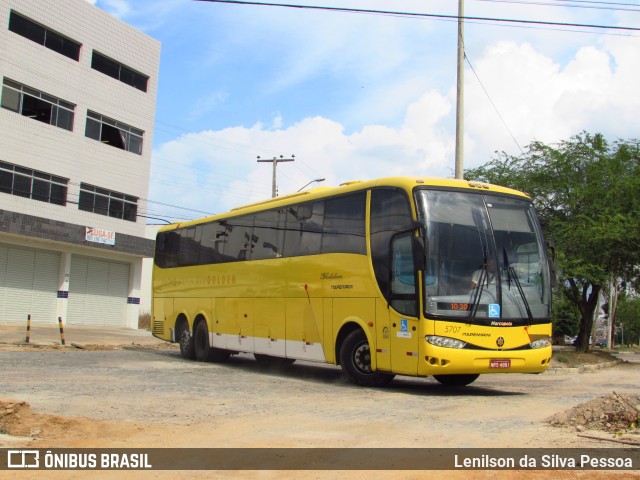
x,y
189,246
343,229
167,245
268,231
214,238
239,238
390,213
303,233
403,275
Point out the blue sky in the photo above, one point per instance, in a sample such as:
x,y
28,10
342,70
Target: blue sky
x,y
358,96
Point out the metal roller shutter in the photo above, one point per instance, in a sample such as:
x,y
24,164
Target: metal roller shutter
x,y
98,292
28,284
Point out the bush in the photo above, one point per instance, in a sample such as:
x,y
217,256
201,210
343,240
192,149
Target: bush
x,y
144,321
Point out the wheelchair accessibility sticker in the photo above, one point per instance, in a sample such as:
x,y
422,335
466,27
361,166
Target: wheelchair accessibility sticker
x,y
404,329
494,310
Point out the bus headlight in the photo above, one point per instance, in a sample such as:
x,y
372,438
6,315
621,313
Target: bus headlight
x,y
542,343
445,342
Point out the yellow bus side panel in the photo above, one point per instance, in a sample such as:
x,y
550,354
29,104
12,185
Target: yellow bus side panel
x,y
234,317
328,342
383,335
163,319
304,329
269,326
405,342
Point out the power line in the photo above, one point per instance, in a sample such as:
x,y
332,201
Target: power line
x,y
493,104
569,4
426,15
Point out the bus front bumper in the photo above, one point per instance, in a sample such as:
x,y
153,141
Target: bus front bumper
x,y
452,361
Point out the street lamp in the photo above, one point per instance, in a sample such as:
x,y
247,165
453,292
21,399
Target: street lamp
x,y
312,181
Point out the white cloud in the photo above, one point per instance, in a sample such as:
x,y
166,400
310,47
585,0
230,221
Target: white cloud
x,y
538,98
215,171
543,100
384,85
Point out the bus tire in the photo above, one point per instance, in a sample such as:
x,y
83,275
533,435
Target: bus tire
x,y
456,380
185,339
203,350
355,359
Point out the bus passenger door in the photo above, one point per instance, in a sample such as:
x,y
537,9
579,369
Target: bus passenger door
x,y
403,306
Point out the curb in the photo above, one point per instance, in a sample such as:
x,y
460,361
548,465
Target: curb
x,y
584,368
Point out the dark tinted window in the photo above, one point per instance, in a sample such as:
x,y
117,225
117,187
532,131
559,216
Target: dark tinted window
x,y
106,202
38,105
119,71
25,27
33,184
44,36
334,225
105,65
212,243
36,108
114,133
167,245
269,232
240,241
390,214
303,234
344,225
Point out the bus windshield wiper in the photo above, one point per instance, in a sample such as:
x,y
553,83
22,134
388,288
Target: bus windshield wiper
x,y
477,292
511,274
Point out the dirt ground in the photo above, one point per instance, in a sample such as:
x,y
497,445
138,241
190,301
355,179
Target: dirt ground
x,y
612,417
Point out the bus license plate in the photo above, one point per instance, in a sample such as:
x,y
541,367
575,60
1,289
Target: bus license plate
x,y
501,363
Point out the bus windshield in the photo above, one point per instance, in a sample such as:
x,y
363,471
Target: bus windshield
x,y
485,259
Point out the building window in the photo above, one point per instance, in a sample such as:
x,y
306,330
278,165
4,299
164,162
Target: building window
x,y
114,133
106,202
24,182
38,105
44,36
119,71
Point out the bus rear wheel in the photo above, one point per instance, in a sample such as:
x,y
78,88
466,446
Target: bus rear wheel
x,y
355,359
183,335
456,380
204,352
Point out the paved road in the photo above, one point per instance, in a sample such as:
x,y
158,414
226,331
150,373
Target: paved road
x,y
242,403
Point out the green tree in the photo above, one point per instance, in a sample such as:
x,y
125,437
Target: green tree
x,y
565,316
629,319
587,192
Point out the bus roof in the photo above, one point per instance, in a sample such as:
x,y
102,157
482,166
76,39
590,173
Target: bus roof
x,y
407,183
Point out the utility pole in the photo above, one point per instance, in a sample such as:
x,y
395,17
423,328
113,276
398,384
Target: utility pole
x,y
460,95
276,161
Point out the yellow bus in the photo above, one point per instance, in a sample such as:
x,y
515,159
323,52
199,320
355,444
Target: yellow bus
x,y
407,276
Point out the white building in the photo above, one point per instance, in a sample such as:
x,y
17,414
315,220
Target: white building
x,y
76,129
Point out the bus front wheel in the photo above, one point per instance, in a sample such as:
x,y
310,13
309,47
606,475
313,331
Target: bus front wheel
x,y
456,380
355,359
204,352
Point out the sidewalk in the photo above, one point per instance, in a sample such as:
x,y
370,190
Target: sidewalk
x,y
14,334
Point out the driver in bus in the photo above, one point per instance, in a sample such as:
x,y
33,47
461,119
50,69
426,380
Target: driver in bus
x,y
490,274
